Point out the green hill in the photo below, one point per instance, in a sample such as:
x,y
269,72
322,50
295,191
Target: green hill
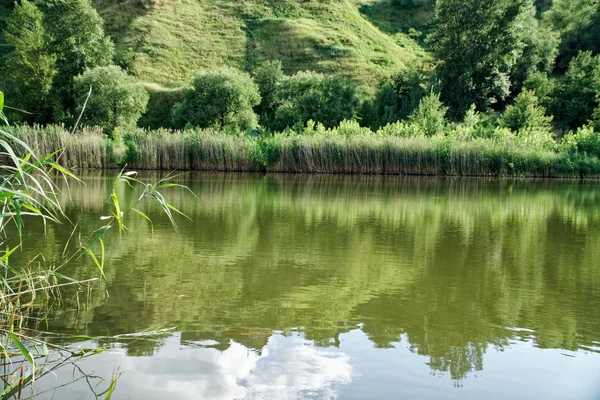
x,y
168,41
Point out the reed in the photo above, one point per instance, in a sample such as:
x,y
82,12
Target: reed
x,y
83,148
348,149
190,150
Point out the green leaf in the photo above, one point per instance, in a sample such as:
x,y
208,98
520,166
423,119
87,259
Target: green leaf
x,y
7,254
101,232
95,259
62,170
22,348
117,214
1,101
177,211
145,216
18,220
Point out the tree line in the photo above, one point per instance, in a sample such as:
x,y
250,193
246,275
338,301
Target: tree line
x,y
530,67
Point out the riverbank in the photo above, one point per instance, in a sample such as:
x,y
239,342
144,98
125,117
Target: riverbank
x,y
347,149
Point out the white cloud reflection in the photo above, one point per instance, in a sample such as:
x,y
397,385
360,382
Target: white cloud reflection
x,y
286,368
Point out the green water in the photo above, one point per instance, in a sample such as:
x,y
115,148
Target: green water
x,y
290,287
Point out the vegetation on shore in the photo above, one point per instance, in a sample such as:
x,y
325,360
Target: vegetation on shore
x,y
509,88
347,148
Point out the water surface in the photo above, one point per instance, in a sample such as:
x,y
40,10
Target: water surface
x,y
291,286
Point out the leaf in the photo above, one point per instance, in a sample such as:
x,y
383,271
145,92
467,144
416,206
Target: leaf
x,y
118,215
1,101
168,185
18,220
177,211
63,171
22,348
7,254
145,216
95,259
101,232
102,256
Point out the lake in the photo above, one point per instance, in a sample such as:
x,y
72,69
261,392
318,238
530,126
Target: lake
x,y
351,287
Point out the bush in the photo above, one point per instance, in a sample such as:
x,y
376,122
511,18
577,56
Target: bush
x,y
525,113
430,116
586,141
223,98
311,96
116,101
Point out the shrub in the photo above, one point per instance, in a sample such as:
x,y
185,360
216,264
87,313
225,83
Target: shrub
x,y
223,98
430,116
116,101
525,113
542,86
585,140
311,96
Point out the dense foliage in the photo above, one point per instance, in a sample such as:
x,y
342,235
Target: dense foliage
x,y
476,43
30,67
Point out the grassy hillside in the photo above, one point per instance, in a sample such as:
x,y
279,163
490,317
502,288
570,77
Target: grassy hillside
x,y
167,41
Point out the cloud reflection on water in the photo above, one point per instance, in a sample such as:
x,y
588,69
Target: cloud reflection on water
x,y
288,367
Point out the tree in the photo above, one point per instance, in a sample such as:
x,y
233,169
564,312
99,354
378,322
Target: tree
x,y
430,116
223,98
29,69
476,42
116,101
578,22
267,77
76,36
397,99
525,113
543,87
577,93
312,96
537,51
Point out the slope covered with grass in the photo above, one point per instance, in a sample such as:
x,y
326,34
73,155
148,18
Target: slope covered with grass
x,y
168,41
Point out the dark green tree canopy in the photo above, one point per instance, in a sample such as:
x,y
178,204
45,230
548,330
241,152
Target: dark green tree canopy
x,y
476,42
29,70
578,23
75,34
397,99
577,94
